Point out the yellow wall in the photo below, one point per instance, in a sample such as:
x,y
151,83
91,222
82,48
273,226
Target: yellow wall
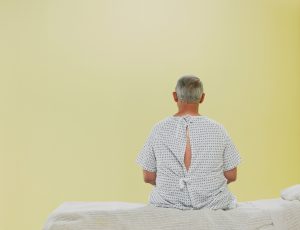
x,y
83,82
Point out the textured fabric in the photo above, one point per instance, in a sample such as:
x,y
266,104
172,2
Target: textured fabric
x,y
273,214
203,184
291,193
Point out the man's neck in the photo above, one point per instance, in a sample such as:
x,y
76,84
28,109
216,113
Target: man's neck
x,y
187,108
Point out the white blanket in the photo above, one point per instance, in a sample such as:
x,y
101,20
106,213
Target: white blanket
x,y
291,193
275,214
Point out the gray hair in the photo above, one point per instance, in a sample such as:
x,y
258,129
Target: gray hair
x,y
189,89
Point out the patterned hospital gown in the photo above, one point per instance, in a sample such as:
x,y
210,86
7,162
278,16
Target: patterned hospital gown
x,y
203,184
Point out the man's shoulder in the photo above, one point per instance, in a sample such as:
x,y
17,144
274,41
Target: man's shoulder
x,y
213,122
216,125
170,121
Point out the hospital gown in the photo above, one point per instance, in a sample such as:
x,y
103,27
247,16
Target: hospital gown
x,y
203,184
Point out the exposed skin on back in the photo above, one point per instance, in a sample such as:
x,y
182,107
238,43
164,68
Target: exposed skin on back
x,y
188,151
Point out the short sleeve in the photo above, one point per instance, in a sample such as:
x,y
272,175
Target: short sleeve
x,y
146,157
231,155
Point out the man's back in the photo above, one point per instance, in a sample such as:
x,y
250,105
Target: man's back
x,y
189,155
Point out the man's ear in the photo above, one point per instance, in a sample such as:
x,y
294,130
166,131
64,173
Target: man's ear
x,y
175,97
202,98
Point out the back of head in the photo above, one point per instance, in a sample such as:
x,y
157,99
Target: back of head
x,y
189,89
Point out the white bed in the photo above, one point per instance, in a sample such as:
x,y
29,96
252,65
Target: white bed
x,y
269,214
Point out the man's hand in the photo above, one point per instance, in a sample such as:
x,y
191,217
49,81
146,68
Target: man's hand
x,y
149,177
230,175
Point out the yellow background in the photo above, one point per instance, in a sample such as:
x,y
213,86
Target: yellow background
x,y
83,82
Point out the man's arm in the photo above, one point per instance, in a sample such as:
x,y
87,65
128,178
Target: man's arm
x,y
149,177
231,175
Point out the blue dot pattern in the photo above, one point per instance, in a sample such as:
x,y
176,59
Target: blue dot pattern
x,y
204,183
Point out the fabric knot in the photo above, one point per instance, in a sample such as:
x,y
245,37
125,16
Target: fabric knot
x,y
183,181
187,119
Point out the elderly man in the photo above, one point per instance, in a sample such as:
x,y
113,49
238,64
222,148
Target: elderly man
x,y
188,157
